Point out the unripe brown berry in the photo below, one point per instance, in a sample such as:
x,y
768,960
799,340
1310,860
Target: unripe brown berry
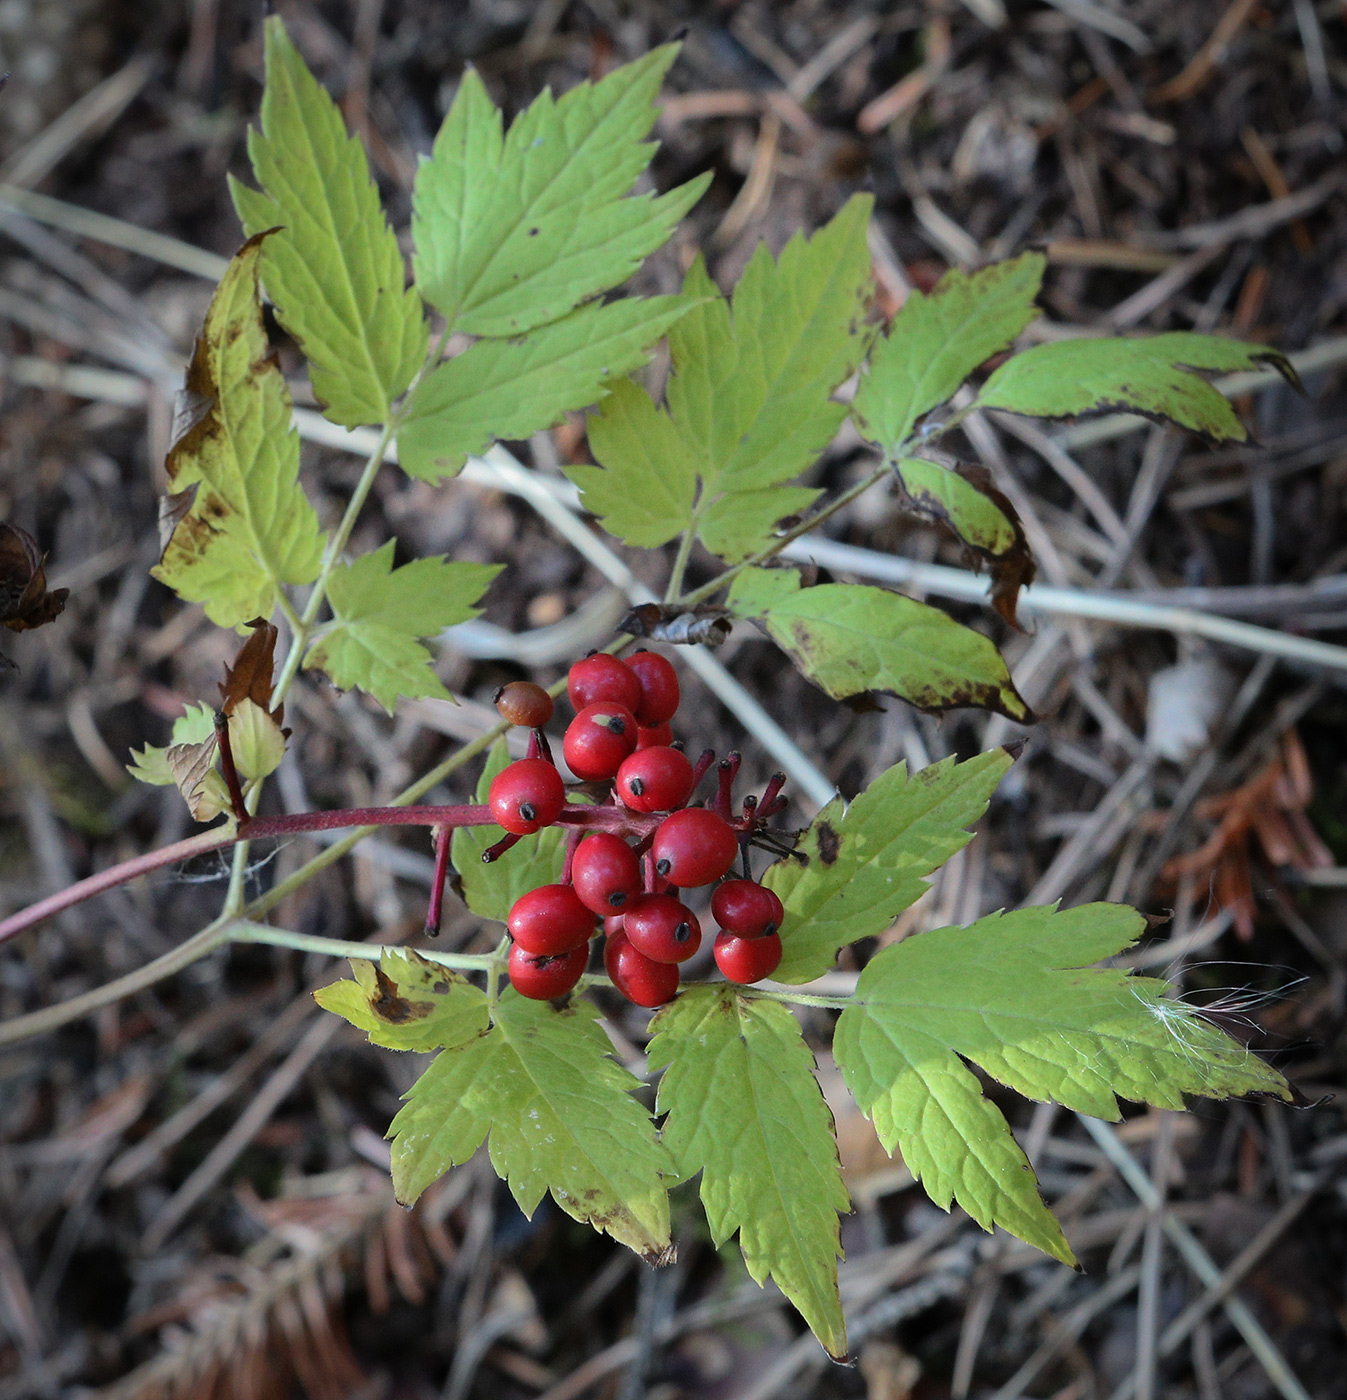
x,y
523,703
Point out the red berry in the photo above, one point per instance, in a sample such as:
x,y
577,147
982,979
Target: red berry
x,y
543,978
550,920
603,677
659,687
745,908
522,702
526,796
655,780
747,959
612,925
662,928
598,739
694,847
659,736
605,872
636,976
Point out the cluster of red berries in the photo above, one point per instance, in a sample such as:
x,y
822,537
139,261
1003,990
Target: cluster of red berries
x,y
629,856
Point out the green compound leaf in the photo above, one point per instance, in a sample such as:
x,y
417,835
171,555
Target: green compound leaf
x,y
380,612
745,1110
334,270
867,859
404,1002
194,726
561,1118
966,502
489,891
849,638
749,403
249,526
511,388
1015,995
937,341
515,231
1148,376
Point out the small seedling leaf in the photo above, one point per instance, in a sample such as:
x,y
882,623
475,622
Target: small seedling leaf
x,y
1150,375
1015,995
515,231
744,1109
867,858
249,527
850,638
380,612
333,269
560,1117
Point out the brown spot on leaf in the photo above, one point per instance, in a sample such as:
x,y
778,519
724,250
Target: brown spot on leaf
x,y
829,842
391,1006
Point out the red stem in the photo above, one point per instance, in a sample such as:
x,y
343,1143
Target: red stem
x,y
435,909
230,770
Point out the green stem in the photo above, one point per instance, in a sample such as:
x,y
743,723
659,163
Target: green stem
x,y
495,965
241,932
680,565
801,998
708,590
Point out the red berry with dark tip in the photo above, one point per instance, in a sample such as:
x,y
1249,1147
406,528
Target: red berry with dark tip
x,y
746,960
746,908
655,780
526,796
658,736
598,739
663,928
550,920
523,703
544,978
659,687
606,873
693,847
637,977
603,677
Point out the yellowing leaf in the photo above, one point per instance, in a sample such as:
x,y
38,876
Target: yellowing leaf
x,y
849,638
512,388
1149,375
744,1109
515,231
334,269
256,740
937,341
381,611
867,858
406,1002
1015,995
750,400
249,527
560,1118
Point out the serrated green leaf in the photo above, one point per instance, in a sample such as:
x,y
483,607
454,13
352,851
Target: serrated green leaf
x,y
849,638
1015,994
380,612
750,397
512,388
489,891
942,494
561,1118
867,858
195,725
405,1002
745,1110
1148,375
249,527
937,341
514,231
334,270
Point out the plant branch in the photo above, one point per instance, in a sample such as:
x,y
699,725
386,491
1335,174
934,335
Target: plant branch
x,y
680,565
245,932
800,998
